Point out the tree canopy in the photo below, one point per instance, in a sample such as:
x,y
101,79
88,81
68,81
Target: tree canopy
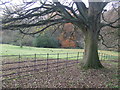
x,y
47,13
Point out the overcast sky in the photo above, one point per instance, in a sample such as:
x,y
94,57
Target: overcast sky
x,y
109,6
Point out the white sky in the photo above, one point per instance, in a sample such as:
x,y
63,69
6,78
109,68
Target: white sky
x,y
20,1
85,1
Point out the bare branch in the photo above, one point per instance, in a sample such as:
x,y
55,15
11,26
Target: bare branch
x,y
41,30
107,21
28,16
3,3
55,29
62,10
110,25
103,42
41,22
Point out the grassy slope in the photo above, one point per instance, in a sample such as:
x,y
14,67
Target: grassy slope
x,y
7,49
16,50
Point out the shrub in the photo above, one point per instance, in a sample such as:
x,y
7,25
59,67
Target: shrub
x,y
46,41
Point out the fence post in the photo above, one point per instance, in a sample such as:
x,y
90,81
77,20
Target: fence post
x,y
77,57
19,63
66,60
47,61
83,54
101,56
35,63
111,57
19,68
47,67
57,61
104,56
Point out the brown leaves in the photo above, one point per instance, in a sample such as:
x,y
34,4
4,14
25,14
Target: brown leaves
x,y
72,77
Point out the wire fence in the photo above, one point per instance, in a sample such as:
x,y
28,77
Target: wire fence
x,y
20,66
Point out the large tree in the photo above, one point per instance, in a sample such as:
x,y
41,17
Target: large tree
x,y
47,14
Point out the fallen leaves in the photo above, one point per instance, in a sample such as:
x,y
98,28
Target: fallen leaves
x,y
72,77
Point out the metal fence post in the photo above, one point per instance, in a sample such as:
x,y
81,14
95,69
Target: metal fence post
x,y
19,68
81,57
47,61
101,55
111,57
19,63
104,56
77,57
35,63
66,60
47,67
57,61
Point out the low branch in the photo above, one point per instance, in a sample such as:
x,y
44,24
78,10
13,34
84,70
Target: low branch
x,y
43,29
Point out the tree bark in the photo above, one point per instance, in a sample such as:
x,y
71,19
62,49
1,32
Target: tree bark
x,y
91,58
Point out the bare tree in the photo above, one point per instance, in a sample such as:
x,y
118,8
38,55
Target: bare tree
x,y
47,14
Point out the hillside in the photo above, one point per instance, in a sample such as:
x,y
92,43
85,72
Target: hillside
x,y
7,49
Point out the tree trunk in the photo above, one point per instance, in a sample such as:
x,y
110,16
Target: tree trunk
x,y
20,43
91,58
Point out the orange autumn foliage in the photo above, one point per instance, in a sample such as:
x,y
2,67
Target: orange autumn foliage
x,y
68,43
65,39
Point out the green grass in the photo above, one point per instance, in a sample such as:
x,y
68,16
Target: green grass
x,y
7,49
16,50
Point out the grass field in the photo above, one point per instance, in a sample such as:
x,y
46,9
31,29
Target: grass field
x,y
7,49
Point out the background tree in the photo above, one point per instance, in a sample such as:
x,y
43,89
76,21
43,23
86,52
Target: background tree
x,y
46,40
46,14
71,37
110,36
